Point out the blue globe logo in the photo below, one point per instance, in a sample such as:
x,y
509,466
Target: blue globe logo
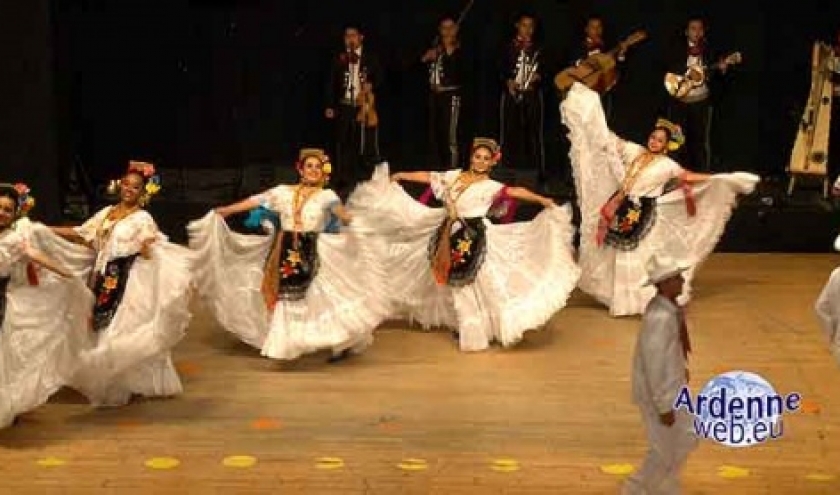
x,y
744,397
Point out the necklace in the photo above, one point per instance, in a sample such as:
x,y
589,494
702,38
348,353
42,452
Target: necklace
x,y
636,168
302,194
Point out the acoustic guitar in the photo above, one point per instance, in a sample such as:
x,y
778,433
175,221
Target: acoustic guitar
x,y
597,72
679,86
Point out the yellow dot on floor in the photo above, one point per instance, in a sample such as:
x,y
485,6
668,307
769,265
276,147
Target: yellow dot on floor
x,y
239,461
412,464
329,463
823,478
51,462
505,465
162,463
732,472
617,469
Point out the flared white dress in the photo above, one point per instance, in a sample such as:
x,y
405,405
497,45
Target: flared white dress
x,y
43,327
329,289
828,312
658,220
140,310
506,278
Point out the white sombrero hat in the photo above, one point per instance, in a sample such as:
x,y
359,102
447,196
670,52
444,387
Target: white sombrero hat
x,y
662,267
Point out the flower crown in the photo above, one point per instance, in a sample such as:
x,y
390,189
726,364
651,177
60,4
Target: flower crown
x,y
321,155
491,144
677,136
148,172
25,199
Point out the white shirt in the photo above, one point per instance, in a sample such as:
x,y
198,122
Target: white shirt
x,y
654,177
355,83
658,362
436,70
473,202
522,72
314,214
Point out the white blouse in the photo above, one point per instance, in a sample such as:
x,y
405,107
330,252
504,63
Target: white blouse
x,y
473,202
656,174
113,240
314,214
11,251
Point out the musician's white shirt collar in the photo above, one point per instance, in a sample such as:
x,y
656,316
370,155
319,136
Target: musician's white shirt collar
x,y
352,90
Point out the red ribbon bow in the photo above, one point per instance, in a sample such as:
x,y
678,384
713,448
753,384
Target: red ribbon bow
x,y
697,49
523,43
349,58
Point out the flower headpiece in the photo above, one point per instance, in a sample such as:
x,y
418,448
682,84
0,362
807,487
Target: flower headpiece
x,y
677,136
490,144
149,174
321,155
25,199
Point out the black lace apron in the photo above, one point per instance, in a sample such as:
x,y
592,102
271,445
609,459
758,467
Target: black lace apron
x,y
468,246
633,221
4,286
298,264
109,289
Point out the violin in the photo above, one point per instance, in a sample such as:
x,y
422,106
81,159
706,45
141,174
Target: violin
x,y
367,115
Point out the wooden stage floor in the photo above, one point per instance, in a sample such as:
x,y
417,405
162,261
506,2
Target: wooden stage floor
x,y
415,416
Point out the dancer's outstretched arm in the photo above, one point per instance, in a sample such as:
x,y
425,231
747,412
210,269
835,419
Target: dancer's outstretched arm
x,y
240,207
523,194
421,177
694,177
42,259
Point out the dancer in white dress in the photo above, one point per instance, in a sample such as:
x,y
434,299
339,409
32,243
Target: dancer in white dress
x,y
828,309
452,267
142,286
43,317
630,210
306,287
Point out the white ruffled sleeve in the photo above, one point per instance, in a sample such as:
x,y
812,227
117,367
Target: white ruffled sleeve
x,y
11,252
440,181
132,233
88,230
273,199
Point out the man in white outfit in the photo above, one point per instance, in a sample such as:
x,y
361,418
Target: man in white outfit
x,y
659,373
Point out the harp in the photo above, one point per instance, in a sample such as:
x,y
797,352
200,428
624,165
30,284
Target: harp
x,y
809,158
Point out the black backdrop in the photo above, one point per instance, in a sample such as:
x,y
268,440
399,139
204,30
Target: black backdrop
x,y
223,84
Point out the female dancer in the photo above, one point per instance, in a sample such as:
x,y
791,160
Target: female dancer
x,y
828,306
43,318
302,289
453,267
630,210
142,287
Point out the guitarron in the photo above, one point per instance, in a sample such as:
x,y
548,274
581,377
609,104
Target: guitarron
x,y
809,157
597,72
679,86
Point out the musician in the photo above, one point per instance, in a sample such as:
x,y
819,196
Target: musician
x,y
355,74
694,57
834,129
522,106
447,73
593,43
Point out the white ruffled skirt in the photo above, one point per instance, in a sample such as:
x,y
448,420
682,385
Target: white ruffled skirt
x,y
44,329
527,275
131,356
342,307
828,312
615,277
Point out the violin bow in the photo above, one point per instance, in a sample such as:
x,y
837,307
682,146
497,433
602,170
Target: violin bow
x,y
458,22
